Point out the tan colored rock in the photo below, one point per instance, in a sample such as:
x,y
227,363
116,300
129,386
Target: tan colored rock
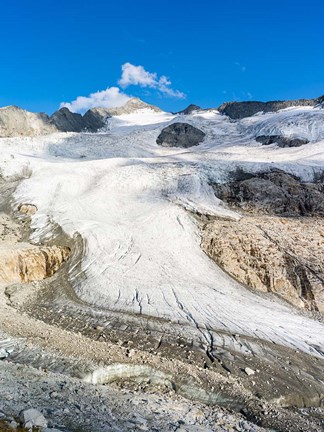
x,y
26,265
272,254
27,209
15,121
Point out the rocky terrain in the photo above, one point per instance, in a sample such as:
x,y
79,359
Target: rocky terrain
x,y
272,254
173,287
15,121
180,135
239,110
273,192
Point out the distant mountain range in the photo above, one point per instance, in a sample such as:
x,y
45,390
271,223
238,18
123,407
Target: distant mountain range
x,y
15,121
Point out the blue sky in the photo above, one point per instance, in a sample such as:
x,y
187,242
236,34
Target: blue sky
x,y
53,51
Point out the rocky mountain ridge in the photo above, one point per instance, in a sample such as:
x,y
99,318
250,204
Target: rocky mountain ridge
x,y
15,121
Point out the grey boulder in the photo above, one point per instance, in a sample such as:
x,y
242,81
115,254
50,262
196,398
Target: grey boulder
x,y
32,418
180,135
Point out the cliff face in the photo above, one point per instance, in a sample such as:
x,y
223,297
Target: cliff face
x,y
271,254
278,246
24,265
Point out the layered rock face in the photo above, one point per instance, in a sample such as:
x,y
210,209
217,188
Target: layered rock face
x,y
274,192
282,254
180,135
279,255
24,265
239,110
15,121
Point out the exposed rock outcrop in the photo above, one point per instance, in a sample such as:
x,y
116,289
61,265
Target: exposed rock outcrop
x,y
274,192
27,209
279,255
190,109
24,265
281,141
66,121
180,135
15,121
95,119
239,110
133,105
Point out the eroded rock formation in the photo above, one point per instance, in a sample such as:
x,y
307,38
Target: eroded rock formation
x,y
24,265
180,135
279,255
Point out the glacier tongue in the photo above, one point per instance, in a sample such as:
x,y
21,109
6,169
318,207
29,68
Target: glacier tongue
x,y
128,199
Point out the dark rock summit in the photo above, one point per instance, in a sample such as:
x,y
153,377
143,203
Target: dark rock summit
x,y
67,121
281,141
190,109
274,192
239,110
94,120
180,135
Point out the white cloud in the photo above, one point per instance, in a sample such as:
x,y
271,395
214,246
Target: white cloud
x,y
111,97
137,75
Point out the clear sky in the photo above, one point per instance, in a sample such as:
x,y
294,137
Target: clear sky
x,y
211,51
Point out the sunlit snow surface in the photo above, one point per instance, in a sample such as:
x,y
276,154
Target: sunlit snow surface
x,y
128,197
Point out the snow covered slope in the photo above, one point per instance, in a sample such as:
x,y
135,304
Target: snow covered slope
x,y
128,197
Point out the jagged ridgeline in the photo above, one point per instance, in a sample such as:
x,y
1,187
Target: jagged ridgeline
x,y
15,121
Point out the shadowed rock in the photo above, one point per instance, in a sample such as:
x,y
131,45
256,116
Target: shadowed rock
x,y
66,121
95,120
274,192
180,135
190,109
239,110
281,141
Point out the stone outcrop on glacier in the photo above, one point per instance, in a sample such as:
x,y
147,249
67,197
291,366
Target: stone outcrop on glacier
x,y
180,135
281,141
273,192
